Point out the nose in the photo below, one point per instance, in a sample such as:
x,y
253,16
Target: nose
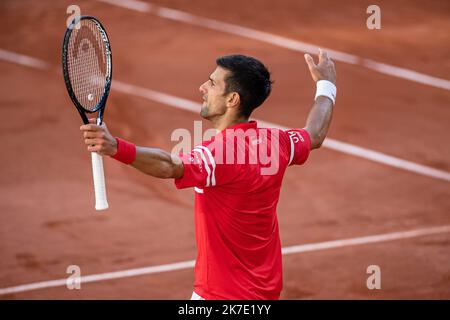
x,y
202,88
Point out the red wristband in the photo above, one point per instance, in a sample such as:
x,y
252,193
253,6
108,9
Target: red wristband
x,y
126,151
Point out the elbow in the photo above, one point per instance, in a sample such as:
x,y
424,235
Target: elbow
x,y
317,141
316,136
316,145
172,171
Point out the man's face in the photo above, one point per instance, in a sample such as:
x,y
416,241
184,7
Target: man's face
x,y
214,99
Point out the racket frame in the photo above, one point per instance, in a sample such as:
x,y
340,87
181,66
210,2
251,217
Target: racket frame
x,y
100,108
101,202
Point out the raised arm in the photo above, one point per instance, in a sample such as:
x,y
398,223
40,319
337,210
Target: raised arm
x,y
319,117
152,161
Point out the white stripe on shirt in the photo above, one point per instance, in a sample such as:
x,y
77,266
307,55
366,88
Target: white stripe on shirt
x,y
292,149
208,171
213,164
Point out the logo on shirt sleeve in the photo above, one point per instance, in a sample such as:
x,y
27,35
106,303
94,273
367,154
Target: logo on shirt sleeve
x,y
296,136
196,160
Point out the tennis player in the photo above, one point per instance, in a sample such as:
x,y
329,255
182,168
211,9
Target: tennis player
x,y
236,186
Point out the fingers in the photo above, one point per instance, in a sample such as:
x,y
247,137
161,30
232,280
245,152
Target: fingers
x,y
91,142
95,148
323,56
309,61
97,138
96,145
93,134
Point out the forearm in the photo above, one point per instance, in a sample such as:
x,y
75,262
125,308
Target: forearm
x,y
151,161
157,163
319,120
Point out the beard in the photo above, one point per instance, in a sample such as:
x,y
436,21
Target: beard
x,y
205,108
210,109
204,111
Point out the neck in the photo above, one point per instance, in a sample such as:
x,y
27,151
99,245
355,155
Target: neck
x,y
223,123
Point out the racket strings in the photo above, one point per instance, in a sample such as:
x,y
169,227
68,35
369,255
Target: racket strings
x,y
87,64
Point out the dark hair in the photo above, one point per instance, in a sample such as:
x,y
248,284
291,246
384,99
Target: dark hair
x,y
248,77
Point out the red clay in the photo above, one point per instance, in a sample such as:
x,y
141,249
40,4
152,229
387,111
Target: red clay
x,y
47,219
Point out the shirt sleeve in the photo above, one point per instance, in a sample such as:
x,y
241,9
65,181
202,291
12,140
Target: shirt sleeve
x,y
199,169
300,146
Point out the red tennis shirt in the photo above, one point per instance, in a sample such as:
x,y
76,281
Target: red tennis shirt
x,y
237,178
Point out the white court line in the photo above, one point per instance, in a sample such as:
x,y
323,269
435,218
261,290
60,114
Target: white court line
x,y
23,60
100,277
279,41
329,143
190,264
365,240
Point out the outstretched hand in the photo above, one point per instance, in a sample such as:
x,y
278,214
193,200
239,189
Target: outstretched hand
x,y
324,70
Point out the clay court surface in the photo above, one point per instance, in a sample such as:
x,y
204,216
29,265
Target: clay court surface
x,y
47,216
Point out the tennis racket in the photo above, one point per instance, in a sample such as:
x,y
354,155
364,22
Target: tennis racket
x,y
87,69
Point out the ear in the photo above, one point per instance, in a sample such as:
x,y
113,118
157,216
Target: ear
x,y
233,100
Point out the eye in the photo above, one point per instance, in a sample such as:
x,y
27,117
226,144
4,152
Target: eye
x,y
212,83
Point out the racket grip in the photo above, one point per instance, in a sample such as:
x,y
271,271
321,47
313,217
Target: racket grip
x,y
101,202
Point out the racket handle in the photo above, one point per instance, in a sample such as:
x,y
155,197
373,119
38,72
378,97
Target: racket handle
x,y
99,182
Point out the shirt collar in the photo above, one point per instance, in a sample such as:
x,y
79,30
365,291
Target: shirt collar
x,y
244,126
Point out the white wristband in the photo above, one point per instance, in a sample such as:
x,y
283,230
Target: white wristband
x,y
327,89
